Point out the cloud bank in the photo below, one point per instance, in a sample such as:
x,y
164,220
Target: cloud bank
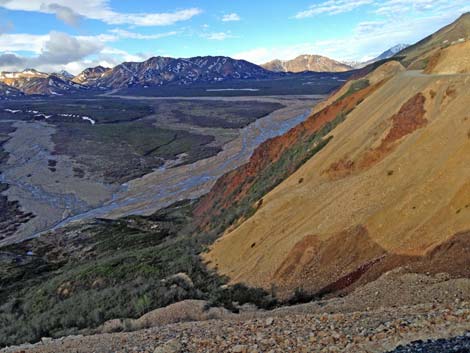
x,y
70,11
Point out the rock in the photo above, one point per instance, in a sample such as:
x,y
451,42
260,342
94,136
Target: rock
x,y
269,321
182,280
46,340
114,325
172,346
240,348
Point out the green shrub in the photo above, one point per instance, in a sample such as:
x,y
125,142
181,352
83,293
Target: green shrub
x,y
129,263
356,86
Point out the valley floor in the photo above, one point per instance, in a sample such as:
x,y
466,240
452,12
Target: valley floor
x,y
161,188
46,183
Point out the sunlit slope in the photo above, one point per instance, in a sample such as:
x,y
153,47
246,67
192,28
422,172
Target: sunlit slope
x,y
452,60
418,54
393,183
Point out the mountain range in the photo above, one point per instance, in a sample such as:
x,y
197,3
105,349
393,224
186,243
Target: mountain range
x,y
156,71
159,71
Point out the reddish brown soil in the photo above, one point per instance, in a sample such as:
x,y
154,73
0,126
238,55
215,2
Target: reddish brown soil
x,y
340,169
324,262
300,255
409,119
450,93
331,265
433,61
452,257
346,281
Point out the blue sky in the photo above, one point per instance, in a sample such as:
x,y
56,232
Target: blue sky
x,y
74,34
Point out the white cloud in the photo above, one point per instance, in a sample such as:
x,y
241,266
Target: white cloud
x,y
365,28
332,7
108,57
399,7
11,42
370,39
256,55
63,13
117,56
367,40
218,35
62,48
51,51
104,37
68,10
384,7
134,35
56,51
231,17
263,55
155,19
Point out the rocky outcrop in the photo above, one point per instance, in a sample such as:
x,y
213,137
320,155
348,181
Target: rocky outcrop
x,y
185,311
90,76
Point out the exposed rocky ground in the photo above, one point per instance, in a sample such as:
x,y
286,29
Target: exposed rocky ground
x,y
457,344
372,319
370,331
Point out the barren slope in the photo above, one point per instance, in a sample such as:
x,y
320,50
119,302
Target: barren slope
x,y
452,60
391,185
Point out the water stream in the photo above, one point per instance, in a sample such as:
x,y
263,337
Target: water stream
x,y
163,187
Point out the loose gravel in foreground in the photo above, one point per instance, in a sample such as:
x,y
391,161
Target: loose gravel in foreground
x,y
459,344
380,330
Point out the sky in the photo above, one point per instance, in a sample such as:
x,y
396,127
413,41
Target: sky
x,y
53,35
